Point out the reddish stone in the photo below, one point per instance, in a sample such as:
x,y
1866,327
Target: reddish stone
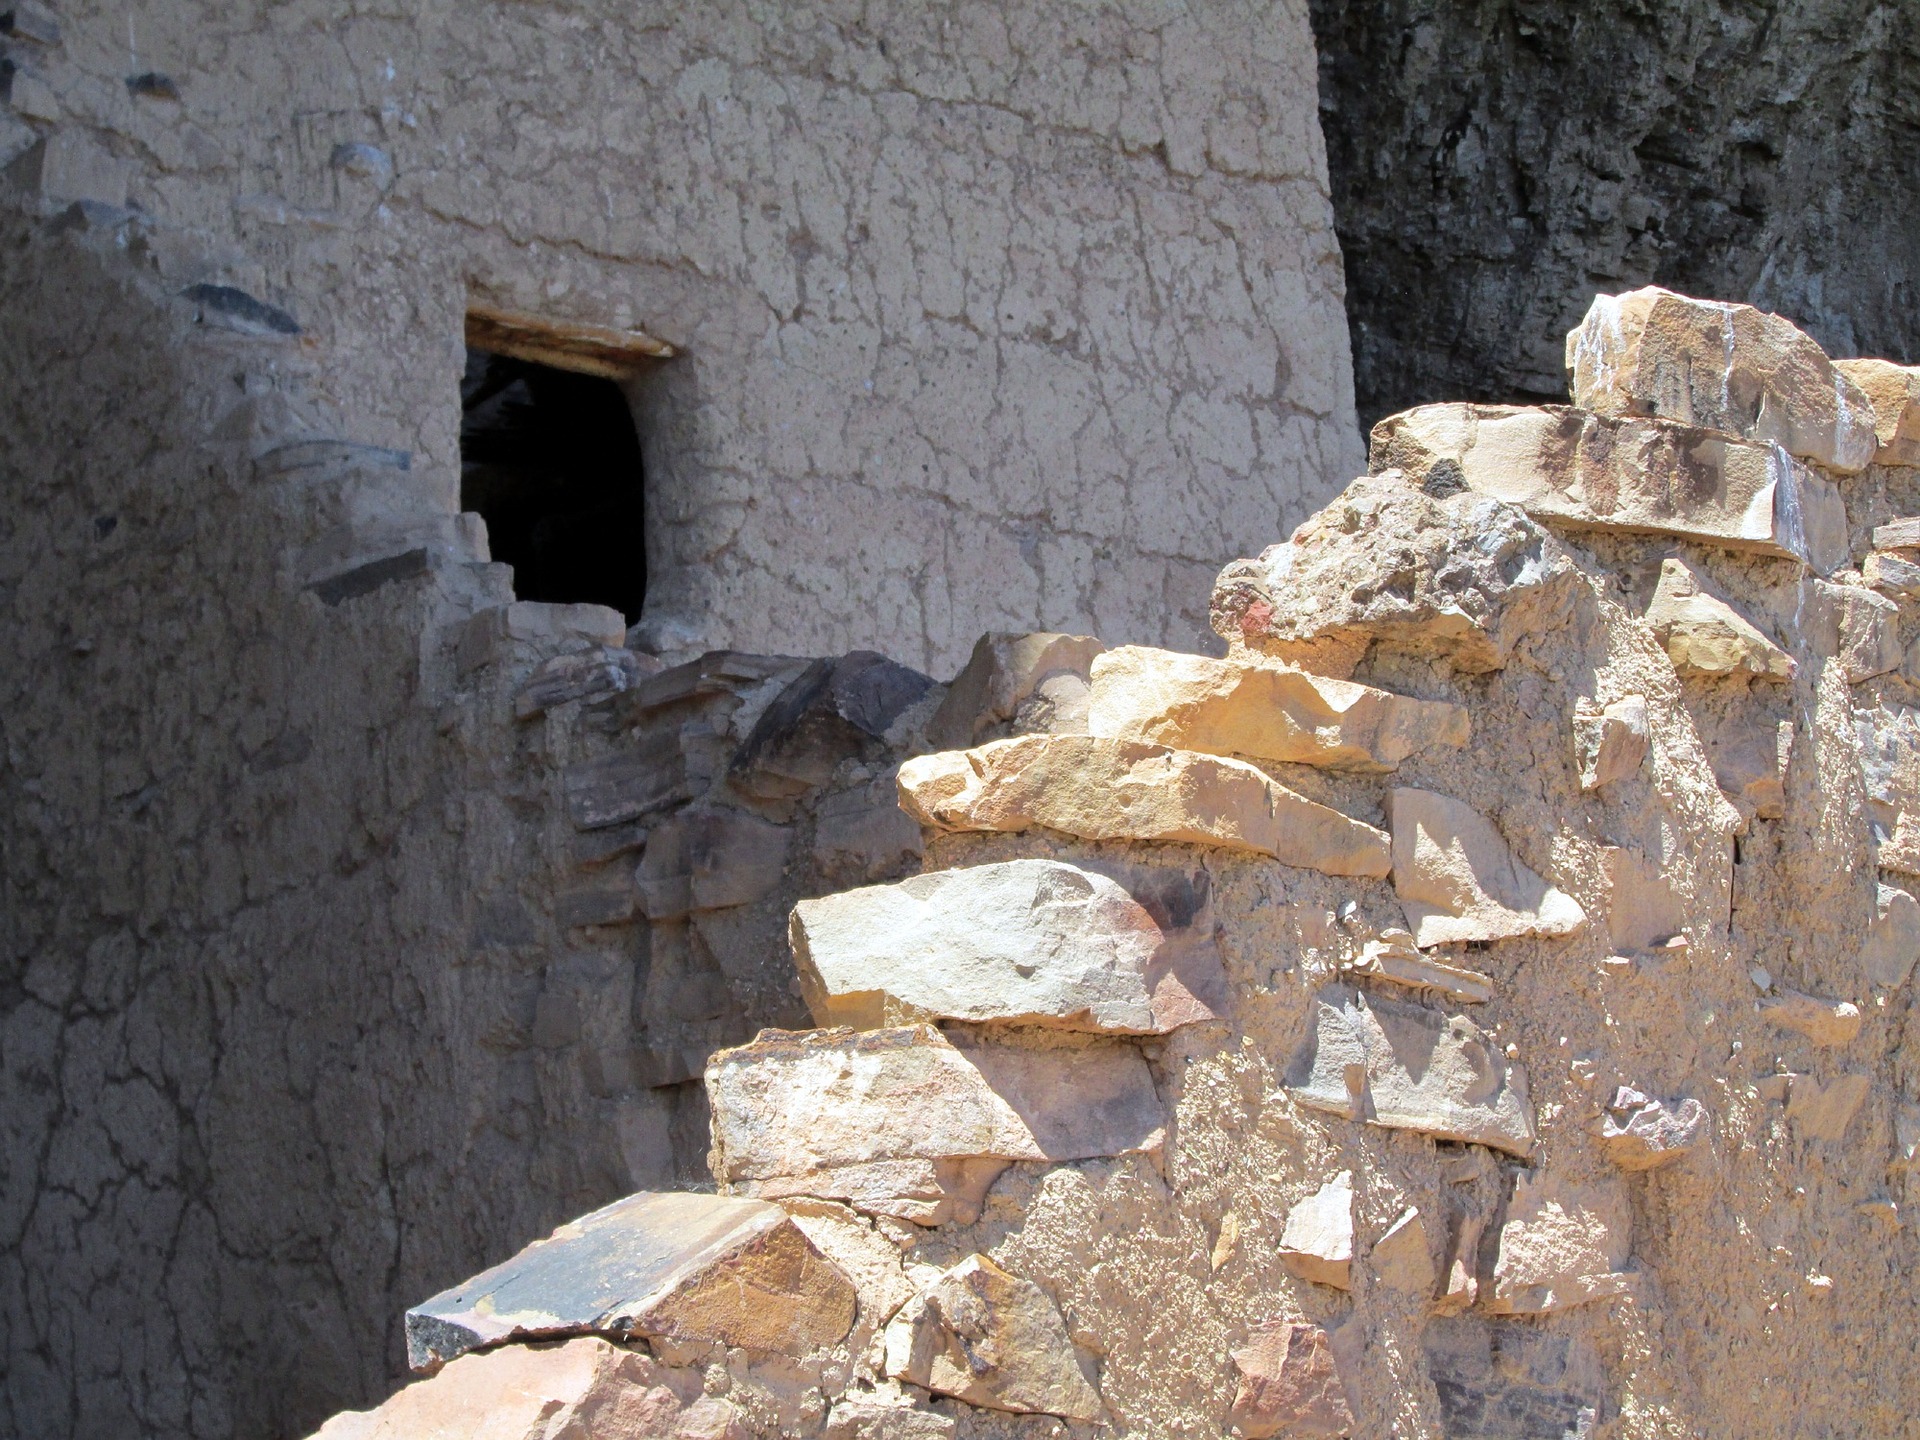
x,y
562,1391
1289,1384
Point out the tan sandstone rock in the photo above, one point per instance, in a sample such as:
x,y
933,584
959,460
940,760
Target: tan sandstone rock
x,y
1231,707
1317,1243
915,1124
1726,367
1393,957
1643,911
1893,392
1016,684
1581,471
1610,742
1821,1020
1641,1133
1403,1256
686,1266
1462,1287
1749,753
1901,534
1824,1111
877,1418
1037,941
1892,574
1437,571
867,1256
1562,1245
1119,790
1859,628
1289,1384
1457,880
1407,1067
562,1391
1887,737
1892,942
1704,635
991,1339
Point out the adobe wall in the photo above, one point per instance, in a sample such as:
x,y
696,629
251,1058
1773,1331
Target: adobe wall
x,y
333,968
359,922
1003,320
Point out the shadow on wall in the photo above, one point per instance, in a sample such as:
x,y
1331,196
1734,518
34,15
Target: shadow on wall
x,y
1494,163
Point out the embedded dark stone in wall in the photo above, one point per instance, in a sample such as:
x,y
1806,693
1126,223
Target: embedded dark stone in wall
x,y
834,710
1494,163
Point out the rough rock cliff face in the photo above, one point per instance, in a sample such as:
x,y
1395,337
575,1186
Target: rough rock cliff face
x,y
1494,163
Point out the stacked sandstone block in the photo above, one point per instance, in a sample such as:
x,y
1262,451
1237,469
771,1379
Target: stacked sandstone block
x,y
1475,1006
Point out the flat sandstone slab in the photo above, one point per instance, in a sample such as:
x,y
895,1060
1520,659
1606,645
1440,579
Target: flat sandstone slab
x,y
991,1339
914,1123
1037,941
1100,789
1270,712
1561,1245
1725,367
1406,1067
580,1387
690,1267
1457,880
1567,467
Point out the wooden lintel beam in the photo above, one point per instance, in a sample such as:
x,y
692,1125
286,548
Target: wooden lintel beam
x,y
564,344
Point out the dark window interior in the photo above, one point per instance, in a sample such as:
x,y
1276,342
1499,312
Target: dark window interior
x,y
551,461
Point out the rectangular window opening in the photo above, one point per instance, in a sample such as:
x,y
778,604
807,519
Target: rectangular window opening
x,y
550,456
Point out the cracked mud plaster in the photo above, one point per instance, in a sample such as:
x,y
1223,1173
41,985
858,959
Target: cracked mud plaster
x,y
1014,317
992,317
258,1055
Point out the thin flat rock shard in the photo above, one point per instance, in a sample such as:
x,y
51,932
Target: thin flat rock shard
x,y
689,1267
1270,712
1406,1067
1392,958
1101,789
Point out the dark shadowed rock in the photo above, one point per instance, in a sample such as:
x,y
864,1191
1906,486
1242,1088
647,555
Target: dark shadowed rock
x,y
1510,1382
835,710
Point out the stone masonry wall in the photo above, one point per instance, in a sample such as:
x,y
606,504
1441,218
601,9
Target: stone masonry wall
x,y
1481,1005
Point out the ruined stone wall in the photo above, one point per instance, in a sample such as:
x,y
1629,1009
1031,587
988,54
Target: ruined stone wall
x,y
1481,1005
1495,163
998,319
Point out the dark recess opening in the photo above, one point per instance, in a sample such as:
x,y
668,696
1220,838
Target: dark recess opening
x,y
550,459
